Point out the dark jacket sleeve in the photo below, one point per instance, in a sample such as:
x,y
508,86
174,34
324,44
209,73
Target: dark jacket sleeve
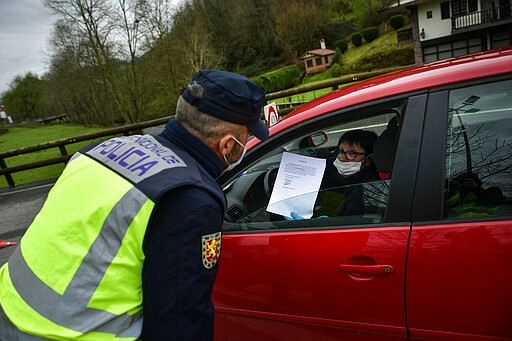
x,y
176,285
353,203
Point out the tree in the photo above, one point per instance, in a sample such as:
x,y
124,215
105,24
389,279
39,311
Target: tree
x,y
298,26
366,12
162,83
113,37
193,41
125,60
89,34
25,98
75,84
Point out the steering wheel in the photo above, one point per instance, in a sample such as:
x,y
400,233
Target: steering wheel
x,y
269,180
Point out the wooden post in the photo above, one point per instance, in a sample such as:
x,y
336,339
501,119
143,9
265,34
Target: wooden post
x,y
8,176
63,151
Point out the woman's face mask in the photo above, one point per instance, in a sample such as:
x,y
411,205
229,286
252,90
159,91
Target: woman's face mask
x,y
347,168
237,162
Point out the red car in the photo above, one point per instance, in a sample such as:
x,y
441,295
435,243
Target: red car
x,y
430,255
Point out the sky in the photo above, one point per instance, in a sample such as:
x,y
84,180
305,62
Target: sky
x,y
25,28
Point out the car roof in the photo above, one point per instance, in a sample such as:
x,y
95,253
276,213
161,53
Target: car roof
x,y
479,65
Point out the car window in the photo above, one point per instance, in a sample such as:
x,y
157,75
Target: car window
x,y
479,152
338,202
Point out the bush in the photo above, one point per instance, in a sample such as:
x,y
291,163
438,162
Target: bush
x,y
370,33
280,79
338,57
357,39
335,70
341,44
397,21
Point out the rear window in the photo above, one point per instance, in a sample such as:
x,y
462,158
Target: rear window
x,y
479,151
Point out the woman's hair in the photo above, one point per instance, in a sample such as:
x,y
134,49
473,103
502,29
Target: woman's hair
x,y
203,126
363,138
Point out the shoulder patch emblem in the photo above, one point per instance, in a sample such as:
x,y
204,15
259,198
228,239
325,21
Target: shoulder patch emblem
x,y
210,245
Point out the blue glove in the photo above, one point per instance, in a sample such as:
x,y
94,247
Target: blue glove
x,y
294,216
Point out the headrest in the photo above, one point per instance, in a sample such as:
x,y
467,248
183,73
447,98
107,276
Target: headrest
x,y
384,149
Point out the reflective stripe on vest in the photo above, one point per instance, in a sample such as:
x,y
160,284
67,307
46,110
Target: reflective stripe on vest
x,y
74,301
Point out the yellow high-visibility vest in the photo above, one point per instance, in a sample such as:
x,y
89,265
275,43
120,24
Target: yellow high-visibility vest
x,y
76,273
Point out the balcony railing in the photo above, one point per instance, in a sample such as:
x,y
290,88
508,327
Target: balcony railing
x,y
481,17
404,36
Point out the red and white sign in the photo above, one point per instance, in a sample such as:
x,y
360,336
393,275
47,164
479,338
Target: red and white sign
x,y
271,115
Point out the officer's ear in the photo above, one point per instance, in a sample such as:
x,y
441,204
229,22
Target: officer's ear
x,y
226,144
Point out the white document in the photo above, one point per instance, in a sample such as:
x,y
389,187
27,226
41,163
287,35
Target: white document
x,y
297,184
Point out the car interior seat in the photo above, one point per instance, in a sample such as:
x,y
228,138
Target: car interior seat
x,y
384,148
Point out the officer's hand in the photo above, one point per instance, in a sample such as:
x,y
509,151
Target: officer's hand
x,y
293,216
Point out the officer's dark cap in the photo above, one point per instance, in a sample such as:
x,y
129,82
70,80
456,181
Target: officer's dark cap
x,y
230,97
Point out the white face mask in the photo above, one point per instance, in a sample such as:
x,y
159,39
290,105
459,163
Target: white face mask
x,y
237,162
347,168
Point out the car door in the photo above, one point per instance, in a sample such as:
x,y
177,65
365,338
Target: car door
x,y
458,270
334,278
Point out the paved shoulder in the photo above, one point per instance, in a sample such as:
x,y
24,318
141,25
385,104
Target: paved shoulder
x,y
18,207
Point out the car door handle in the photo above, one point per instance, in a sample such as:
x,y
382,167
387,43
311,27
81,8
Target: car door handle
x,y
366,269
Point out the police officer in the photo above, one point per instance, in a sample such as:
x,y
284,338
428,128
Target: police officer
x,y
127,243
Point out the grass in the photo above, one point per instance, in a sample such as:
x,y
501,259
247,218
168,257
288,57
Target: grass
x,y
19,137
304,97
381,53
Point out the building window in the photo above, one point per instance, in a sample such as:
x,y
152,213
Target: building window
x,y
429,14
445,10
472,6
326,59
501,39
444,51
318,61
459,7
460,48
309,63
453,49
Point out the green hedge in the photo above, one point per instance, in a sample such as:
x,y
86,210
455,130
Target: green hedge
x,y
370,33
396,21
341,44
280,79
335,70
357,39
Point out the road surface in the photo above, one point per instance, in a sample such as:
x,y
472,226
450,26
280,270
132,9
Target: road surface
x,y
18,207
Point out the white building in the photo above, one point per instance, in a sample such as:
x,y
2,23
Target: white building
x,y
443,29
3,115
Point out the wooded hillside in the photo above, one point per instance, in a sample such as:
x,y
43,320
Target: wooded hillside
x,y
124,61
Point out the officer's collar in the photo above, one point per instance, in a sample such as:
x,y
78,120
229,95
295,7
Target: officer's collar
x,y
180,137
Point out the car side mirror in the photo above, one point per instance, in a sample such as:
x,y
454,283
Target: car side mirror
x,y
318,139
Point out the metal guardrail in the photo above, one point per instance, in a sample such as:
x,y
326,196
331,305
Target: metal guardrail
x,y
137,127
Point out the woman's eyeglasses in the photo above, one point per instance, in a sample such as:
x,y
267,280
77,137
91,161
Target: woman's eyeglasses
x,y
350,155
